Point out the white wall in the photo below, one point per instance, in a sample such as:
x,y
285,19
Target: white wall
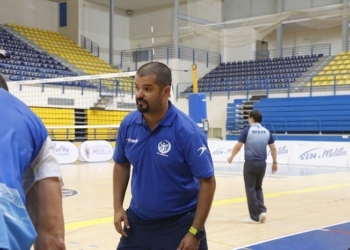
x,y
94,24
33,13
299,36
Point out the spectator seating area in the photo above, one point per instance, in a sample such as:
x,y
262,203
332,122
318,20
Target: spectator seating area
x,y
59,45
323,114
26,63
57,117
256,74
336,72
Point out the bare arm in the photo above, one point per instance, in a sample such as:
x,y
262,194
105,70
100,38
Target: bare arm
x,y
205,199
44,205
121,175
235,151
274,157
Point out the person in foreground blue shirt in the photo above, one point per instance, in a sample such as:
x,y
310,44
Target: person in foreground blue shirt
x,y
173,182
255,138
30,180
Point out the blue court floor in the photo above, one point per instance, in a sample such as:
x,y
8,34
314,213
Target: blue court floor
x,y
335,237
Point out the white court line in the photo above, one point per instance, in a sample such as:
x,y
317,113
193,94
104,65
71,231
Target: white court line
x,y
285,236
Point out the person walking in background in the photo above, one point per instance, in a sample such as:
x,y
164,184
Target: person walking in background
x,y
255,139
30,180
173,180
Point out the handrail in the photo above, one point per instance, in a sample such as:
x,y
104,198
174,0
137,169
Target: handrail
x,y
325,49
89,45
316,119
136,56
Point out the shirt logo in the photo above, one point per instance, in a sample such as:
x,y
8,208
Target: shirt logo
x,y
164,147
203,148
132,140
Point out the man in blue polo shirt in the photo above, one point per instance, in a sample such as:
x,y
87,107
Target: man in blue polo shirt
x,y
30,180
255,139
172,182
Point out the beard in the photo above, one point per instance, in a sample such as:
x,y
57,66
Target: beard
x,y
142,105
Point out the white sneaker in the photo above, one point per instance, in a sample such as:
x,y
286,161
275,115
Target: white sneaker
x,y
250,221
262,217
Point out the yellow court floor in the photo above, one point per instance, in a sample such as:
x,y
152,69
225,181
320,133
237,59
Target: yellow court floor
x,y
298,198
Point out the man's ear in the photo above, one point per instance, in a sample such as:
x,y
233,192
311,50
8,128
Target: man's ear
x,y
166,91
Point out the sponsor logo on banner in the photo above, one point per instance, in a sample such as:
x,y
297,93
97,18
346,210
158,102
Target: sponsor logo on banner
x,y
66,152
95,151
222,151
280,150
320,153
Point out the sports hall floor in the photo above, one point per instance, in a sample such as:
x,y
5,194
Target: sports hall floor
x,y
308,208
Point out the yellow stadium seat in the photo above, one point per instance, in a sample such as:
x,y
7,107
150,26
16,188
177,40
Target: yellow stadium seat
x,y
335,67
341,82
343,53
328,68
325,83
339,77
344,71
336,58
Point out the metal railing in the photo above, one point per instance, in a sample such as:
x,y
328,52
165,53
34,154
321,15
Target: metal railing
x,y
136,56
325,49
89,45
287,88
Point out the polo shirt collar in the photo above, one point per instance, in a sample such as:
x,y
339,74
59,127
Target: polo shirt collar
x,y
167,119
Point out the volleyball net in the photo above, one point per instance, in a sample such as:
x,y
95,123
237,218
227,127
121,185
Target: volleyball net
x,y
79,108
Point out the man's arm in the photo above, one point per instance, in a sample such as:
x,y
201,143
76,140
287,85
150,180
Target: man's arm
x,y
274,157
205,199
235,151
121,175
44,205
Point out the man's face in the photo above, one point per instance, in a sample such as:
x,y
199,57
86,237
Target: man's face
x,y
149,96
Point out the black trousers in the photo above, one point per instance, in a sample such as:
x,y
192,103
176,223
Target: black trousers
x,y
164,234
254,172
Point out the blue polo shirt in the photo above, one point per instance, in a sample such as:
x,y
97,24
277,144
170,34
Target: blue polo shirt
x,y
166,163
22,136
255,139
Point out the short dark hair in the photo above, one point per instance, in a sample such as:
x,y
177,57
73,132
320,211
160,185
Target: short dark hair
x,y
159,70
256,115
3,83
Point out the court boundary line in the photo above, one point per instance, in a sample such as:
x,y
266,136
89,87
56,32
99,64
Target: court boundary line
x,y
289,235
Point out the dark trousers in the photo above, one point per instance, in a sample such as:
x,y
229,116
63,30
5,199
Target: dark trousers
x,y
254,172
164,234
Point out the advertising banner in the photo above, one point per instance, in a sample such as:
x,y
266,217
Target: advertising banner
x,y
321,153
66,152
96,151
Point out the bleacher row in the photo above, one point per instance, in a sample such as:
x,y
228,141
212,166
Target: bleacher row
x,y
66,117
26,63
256,74
324,114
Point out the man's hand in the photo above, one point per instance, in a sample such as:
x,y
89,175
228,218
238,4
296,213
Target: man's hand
x,y
274,168
230,159
119,217
189,242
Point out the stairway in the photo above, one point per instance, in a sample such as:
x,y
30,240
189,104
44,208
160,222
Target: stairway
x,y
238,114
103,102
80,120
